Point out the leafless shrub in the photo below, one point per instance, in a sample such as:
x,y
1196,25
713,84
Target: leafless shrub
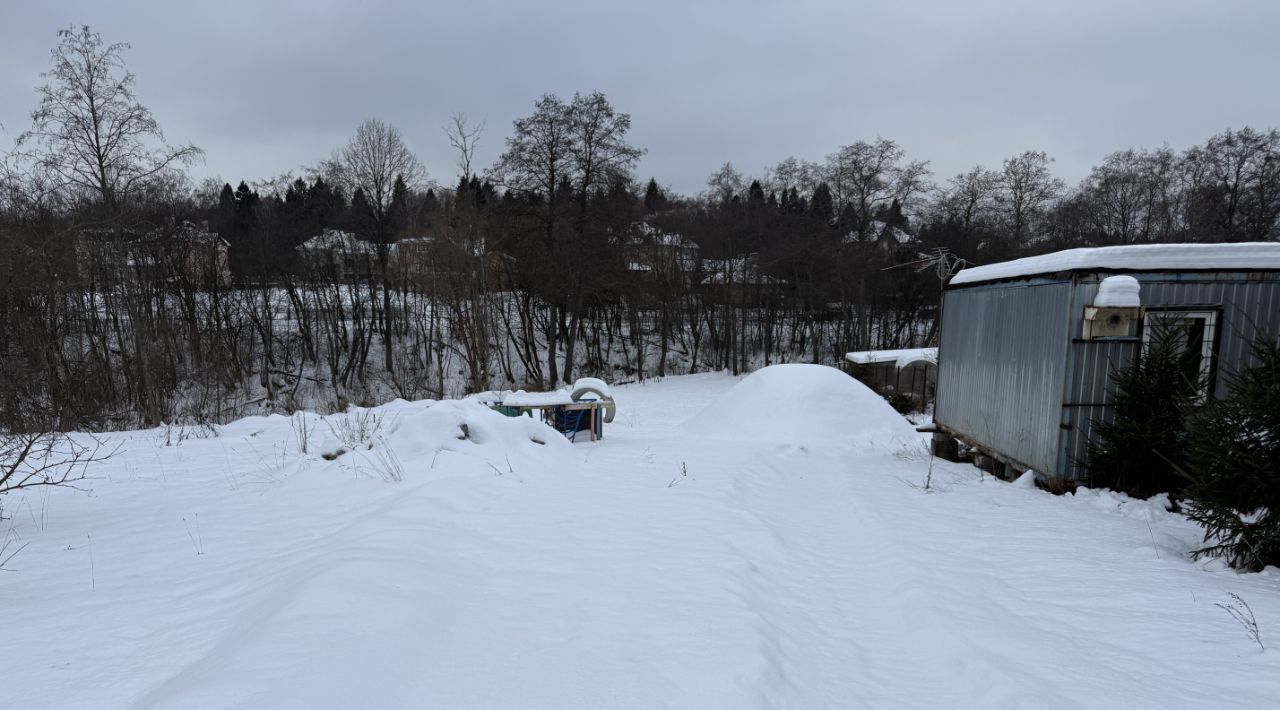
x,y
6,556
35,459
684,474
301,429
356,430
1240,611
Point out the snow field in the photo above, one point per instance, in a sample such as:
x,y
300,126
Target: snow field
x,y
744,560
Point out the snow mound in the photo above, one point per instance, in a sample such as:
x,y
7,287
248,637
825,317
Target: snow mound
x,y
395,444
804,405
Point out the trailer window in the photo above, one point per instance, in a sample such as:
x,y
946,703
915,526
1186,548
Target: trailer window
x,y
1190,332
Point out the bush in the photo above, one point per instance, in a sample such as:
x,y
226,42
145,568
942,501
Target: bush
x,y
1140,452
1233,457
903,402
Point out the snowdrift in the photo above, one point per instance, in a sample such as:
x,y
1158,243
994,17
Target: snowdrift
x,y
403,439
811,405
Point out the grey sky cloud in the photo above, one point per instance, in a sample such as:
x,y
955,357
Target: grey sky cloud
x,y
270,87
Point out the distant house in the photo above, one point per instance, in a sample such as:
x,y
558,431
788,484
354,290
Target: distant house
x,y
1028,347
882,234
654,253
738,280
433,264
416,260
184,252
338,255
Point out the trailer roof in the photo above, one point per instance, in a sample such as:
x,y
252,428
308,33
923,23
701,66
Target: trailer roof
x,y
1242,256
900,358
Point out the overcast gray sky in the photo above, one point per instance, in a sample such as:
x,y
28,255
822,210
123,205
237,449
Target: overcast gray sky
x,y
270,87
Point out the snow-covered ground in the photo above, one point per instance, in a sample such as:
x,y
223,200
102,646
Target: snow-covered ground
x,y
704,566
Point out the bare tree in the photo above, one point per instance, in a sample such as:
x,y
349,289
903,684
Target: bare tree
x,y
371,161
867,177
464,137
377,162
602,160
725,183
969,198
89,128
537,159
1027,187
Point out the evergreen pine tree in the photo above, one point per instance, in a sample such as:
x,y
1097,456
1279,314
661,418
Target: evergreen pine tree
x,y
326,205
821,205
1140,452
1233,455
654,200
398,212
246,209
362,216
226,200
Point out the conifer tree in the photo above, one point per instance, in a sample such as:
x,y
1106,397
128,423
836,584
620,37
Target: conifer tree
x,y
1140,452
654,200
226,200
361,212
398,212
821,205
1233,455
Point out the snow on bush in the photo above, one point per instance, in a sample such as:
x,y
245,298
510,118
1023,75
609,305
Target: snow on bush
x,y
386,442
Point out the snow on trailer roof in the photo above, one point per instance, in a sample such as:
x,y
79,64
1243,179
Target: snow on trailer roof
x,y
1250,256
900,358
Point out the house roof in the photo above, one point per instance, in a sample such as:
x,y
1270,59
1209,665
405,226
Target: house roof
x,y
333,239
648,234
187,231
1242,256
879,230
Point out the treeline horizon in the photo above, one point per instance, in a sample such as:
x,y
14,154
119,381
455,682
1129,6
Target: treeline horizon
x,y
555,261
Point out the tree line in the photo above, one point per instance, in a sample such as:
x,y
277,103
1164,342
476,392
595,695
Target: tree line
x,y
557,261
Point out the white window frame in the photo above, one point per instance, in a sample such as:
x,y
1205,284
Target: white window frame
x,y
1208,349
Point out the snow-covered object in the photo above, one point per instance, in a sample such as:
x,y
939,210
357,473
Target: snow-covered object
x,y
804,404
337,240
1118,292
584,387
468,427
520,398
900,358
1136,257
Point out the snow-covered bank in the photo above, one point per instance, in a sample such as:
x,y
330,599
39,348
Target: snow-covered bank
x,y
663,566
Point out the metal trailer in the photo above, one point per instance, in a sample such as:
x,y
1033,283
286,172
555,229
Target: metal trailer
x,y
1025,362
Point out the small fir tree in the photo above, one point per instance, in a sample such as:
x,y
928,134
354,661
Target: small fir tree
x,y
1233,456
1140,451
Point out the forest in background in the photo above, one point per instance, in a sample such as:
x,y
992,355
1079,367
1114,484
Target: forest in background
x,y
119,308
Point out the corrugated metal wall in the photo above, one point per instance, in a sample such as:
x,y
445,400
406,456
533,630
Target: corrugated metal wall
x,y
1088,397
1015,377
1246,303
1002,361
